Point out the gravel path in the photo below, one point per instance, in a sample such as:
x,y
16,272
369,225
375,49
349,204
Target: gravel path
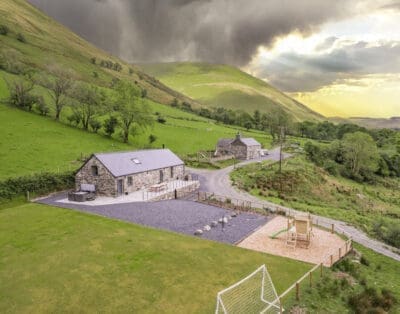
x,y
180,216
218,182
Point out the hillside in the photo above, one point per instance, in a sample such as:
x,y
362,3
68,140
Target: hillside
x,y
49,43
226,86
54,146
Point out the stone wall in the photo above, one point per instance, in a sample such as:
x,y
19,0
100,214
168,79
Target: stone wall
x,y
105,182
149,178
253,152
239,149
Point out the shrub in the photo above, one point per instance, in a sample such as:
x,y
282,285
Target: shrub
x,y
370,301
74,118
161,120
41,106
38,183
110,124
152,138
95,125
21,38
4,30
364,261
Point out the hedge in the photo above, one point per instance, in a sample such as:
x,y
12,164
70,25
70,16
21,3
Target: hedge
x,y
40,183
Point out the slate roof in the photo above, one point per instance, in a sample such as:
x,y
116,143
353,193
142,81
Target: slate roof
x,y
223,142
126,163
248,141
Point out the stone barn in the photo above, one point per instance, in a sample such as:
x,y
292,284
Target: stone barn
x,y
240,147
118,173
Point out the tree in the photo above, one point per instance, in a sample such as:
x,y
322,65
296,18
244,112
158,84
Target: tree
x,y
58,88
360,153
278,120
257,119
88,102
21,93
133,112
110,124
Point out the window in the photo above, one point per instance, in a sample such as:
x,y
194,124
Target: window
x,y
130,181
172,172
95,171
136,161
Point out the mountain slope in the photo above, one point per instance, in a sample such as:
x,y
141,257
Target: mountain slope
x,y
49,43
32,143
226,86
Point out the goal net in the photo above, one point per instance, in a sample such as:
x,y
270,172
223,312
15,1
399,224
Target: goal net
x,y
254,294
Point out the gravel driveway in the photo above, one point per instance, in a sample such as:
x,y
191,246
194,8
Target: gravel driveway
x,y
180,216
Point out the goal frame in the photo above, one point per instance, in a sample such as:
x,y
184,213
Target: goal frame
x,y
265,275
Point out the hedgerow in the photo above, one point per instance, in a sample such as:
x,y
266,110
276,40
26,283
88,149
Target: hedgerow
x,y
37,183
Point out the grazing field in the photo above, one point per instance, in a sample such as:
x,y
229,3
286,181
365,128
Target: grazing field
x,y
32,143
226,86
53,258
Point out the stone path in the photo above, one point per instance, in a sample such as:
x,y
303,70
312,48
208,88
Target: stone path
x,y
218,182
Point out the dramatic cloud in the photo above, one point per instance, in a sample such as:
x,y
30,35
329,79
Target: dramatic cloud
x,y
222,31
334,60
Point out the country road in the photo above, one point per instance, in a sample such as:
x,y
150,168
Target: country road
x,y
218,182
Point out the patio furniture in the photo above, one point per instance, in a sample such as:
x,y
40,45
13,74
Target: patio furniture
x,y
87,192
158,187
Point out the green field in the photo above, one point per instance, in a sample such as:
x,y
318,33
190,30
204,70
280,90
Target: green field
x,y
228,87
56,259
33,143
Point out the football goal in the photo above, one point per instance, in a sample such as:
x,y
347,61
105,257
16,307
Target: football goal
x,y
254,294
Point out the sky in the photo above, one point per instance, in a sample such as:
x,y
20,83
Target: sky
x,y
339,57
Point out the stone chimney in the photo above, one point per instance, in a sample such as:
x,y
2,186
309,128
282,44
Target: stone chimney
x,y
238,136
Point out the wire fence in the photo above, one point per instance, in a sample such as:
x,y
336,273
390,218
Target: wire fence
x,y
309,279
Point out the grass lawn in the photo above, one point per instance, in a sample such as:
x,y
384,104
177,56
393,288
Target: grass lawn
x,y
54,259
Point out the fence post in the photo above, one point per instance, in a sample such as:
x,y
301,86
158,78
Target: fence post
x,y
331,260
280,306
321,269
310,279
27,196
297,291
333,228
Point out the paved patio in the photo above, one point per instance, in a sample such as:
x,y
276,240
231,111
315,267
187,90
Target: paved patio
x,y
175,215
138,196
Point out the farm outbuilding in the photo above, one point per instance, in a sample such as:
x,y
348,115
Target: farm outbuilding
x,y
120,173
239,147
